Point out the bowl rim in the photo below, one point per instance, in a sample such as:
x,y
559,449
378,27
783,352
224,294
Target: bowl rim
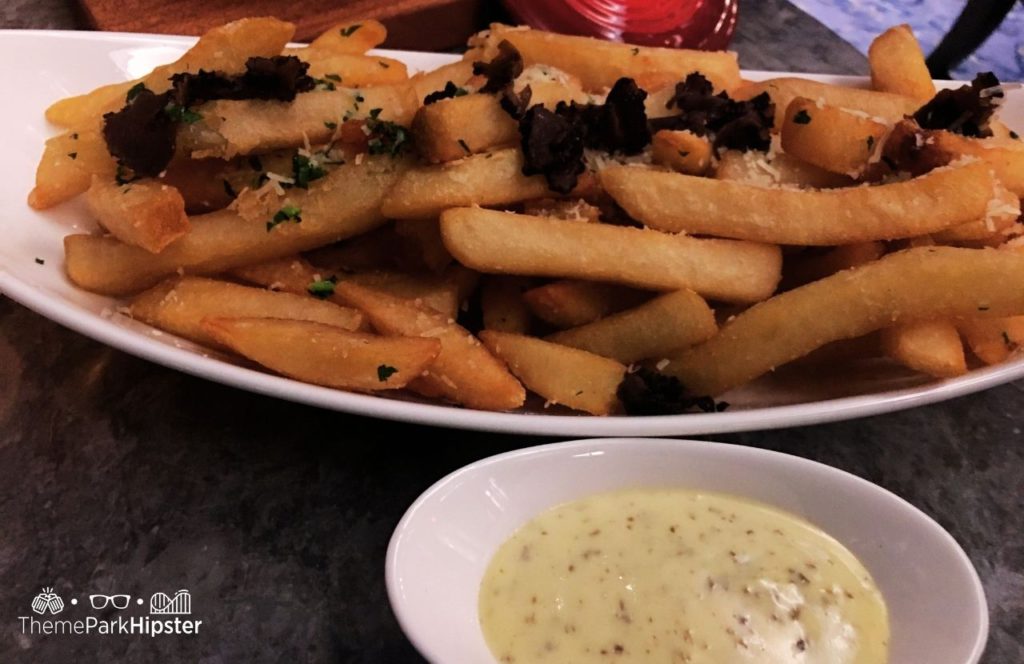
x,y
407,621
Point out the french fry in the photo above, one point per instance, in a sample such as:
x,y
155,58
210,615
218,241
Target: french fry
x,y
463,372
884,105
145,213
1002,213
932,347
898,66
426,82
494,178
598,63
805,269
325,355
929,282
562,375
179,305
354,71
682,151
1006,161
225,49
993,340
504,309
674,202
442,293
775,170
454,128
506,243
231,127
351,38
654,329
569,303
831,138
568,209
346,202
69,162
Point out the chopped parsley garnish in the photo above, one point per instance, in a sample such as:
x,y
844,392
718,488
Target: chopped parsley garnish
x,y
383,65
305,170
360,99
983,308
462,144
333,77
326,84
871,143
322,288
182,114
350,30
134,91
384,372
802,117
40,261
74,136
449,91
286,213
73,155
635,50
386,137
1006,339
330,125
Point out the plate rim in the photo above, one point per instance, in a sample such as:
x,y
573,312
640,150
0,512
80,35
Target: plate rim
x,y
102,329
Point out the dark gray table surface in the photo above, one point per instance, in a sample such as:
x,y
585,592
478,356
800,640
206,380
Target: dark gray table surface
x,y
120,476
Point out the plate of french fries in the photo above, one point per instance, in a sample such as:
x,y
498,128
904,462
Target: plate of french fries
x,y
547,234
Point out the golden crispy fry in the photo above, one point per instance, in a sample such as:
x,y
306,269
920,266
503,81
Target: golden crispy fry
x,y
831,138
69,162
568,209
344,203
562,375
231,127
665,324
423,238
506,243
442,293
929,282
225,48
179,305
353,71
494,178
453,128
884,105
426,82
569,303
325,355
802,270
674,202
897,64
1006,160
993,340
352,38
504,309
464,372
598,63
1002,213
777,169
682,151
145,213
929,346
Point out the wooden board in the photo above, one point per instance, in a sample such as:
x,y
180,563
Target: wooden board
x,y
425,25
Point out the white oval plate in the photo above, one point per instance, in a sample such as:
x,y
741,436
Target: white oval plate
x,y
442,546
47,65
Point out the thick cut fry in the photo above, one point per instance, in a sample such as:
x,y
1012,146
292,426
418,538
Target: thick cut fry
x,y
231,127
453,128
1007,161
179,305
506,243
929,282
325,355
831,138
225,49
495,178
463,372
145,213
354,37
68,165
504,309
897,64
674,202
665,324
993,340
426,82
929,346
884,105
1002,213
353,71
777,169
344,203
562,375
569,303
805,269
682,151
598,63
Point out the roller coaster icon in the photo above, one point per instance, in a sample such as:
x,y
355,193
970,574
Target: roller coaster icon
x,y
179,605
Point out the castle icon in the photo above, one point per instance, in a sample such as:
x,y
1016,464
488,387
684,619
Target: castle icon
x,y
179,605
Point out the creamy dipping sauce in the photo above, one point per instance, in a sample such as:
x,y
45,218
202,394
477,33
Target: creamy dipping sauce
x,y
679,576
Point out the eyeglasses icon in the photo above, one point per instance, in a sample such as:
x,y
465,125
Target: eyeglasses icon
x,y
116,601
